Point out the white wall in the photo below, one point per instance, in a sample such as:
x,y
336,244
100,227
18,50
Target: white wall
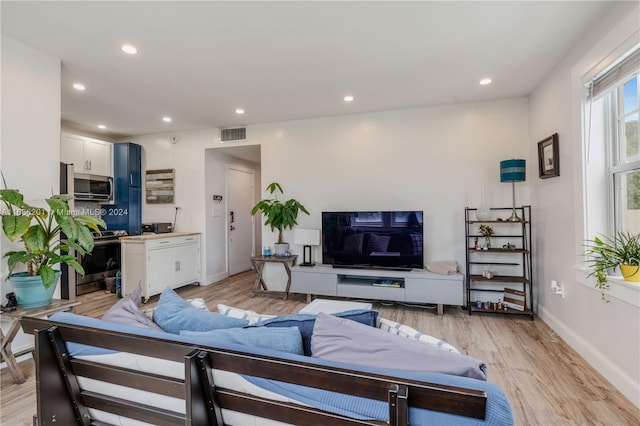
x,y
431,159
606,334
30,135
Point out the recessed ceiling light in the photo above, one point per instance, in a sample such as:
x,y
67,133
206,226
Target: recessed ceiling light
x,y
102,126
79,86
166,119
129,49
349,98
239,111
485,81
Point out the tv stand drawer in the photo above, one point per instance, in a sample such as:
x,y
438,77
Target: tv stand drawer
x,y
305,280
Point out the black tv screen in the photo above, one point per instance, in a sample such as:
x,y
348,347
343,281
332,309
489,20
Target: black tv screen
x,y
370,239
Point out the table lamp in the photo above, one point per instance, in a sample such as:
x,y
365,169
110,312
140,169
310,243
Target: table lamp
x,y
307,238
513,171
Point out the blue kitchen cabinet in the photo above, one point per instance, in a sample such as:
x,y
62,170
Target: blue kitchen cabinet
x,y
126,212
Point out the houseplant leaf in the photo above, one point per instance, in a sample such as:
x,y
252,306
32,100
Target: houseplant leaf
x,y
15,226
35,239
48,275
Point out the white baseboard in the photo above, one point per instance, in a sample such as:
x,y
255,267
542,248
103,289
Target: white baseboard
x,y
215,278
618,378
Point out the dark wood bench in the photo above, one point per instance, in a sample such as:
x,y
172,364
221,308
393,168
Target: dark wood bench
x,y
61,401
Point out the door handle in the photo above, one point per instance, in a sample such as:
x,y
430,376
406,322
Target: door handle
x,y
232,217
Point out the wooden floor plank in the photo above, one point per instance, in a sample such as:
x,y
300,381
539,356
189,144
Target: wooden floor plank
x,y
546,381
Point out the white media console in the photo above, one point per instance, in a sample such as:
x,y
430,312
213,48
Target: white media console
x,y
416,286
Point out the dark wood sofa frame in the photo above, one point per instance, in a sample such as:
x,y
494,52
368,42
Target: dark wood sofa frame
x,y
60,400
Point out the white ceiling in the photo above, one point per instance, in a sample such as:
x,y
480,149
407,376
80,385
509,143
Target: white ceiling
x,y
199,61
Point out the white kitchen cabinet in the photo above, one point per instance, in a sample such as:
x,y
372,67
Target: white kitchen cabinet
x,y
160,261
88,155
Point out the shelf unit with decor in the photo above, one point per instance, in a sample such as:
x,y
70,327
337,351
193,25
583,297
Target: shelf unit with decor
x,y
510,267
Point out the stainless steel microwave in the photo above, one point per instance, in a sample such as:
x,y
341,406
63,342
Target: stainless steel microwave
x,y
92,188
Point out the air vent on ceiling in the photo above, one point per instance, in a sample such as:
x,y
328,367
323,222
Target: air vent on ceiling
x,y
233,134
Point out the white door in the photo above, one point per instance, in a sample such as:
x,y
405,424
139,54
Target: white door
x,y
161,269
188,258
240,189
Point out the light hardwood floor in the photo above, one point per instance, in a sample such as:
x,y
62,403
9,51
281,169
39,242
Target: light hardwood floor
x,y
546,381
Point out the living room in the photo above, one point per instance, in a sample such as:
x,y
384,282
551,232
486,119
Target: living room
x,y
433,158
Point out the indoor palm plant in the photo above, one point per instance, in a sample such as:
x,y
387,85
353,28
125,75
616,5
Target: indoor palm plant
x,y
279,215
47,238
606,254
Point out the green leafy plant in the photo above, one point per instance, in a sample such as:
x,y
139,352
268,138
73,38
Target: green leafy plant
x,y
277,214
48,236
608,253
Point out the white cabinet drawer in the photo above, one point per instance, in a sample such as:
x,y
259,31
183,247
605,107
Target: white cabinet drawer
x,y
189,239
160,243
318,284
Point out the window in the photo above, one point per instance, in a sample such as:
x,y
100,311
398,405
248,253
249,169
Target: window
x,y
612,148
625,169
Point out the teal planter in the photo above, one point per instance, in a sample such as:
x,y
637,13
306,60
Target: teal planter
x,y
30,292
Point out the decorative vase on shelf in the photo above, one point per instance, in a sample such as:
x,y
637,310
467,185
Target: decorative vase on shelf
x,y
487,242
483,212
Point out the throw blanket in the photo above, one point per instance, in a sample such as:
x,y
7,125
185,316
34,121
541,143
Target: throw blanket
x,y
342,340
443,267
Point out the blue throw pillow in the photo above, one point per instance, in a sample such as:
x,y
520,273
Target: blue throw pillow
x,y
284,339
174,314
306,322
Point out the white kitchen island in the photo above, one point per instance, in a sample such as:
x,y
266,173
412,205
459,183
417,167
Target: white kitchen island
x,y
158,261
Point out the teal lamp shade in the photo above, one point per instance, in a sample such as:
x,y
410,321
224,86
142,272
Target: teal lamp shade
x,y
513,171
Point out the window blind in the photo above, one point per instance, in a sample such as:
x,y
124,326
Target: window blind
x,y
614,74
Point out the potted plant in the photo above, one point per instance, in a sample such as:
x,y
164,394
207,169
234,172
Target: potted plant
x,y
47,237
279,215
606,254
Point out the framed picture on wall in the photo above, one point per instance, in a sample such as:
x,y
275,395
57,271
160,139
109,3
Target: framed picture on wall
x,y
549,157
160,186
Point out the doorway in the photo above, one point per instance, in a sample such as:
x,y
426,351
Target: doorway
x,y
240,224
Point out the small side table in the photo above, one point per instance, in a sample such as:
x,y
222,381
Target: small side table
x,y
258,263
6,354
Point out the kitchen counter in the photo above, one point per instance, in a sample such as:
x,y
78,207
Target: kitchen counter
x,y
147,237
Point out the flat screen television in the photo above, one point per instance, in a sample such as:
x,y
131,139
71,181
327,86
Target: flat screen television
x,y
370,239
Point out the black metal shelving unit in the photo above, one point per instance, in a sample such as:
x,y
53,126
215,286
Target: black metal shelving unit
x,y
511,268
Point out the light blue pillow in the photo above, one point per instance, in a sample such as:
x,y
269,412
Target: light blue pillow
x,y
174,314
284,339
